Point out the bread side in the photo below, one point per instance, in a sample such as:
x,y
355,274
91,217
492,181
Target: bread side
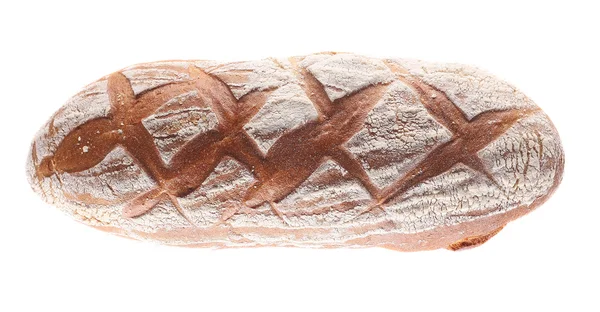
x,y
326,150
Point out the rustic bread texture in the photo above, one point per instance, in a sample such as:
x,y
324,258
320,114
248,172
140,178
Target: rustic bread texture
x,y
326,150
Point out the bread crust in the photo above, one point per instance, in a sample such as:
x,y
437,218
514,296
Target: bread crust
x,y
326,150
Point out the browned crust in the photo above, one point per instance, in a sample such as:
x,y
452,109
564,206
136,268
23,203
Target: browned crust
x,y
473,241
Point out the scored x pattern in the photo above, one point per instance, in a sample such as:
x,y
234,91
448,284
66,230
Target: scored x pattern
x,y
290,160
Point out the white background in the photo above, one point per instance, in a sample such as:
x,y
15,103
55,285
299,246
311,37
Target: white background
x,y
544,261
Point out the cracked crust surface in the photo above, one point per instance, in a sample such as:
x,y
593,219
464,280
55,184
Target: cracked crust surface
x,y
326,150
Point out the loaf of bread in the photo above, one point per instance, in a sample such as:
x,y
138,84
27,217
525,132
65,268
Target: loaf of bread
x,y
325,150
